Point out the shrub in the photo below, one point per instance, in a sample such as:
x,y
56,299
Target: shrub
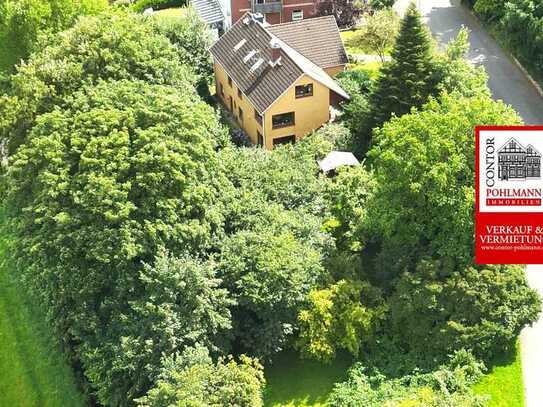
x,y
345,315
448,386
434,312
141,5
194,380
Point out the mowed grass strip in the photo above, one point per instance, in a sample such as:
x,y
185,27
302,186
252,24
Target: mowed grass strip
x,y
294,382
504,381
32,370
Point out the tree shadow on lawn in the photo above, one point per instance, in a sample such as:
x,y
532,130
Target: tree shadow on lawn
x,y
295,382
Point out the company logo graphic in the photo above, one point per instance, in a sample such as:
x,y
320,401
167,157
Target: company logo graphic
x,y
518,163
509,195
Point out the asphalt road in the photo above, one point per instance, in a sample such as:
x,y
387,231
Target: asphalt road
x,y
506,81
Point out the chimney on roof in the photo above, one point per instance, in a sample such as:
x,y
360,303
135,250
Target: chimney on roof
x,y
275,52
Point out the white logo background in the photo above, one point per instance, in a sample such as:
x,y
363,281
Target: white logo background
x,y
501,137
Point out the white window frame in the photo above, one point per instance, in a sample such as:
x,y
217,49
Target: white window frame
x,y
299,15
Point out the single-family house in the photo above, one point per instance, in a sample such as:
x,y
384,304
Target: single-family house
x,y
276,80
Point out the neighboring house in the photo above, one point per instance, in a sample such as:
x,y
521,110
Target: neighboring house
x,y
517,162
277,94
213,13
274,11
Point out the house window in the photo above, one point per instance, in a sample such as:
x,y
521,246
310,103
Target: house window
x,y
283,120
284,140
221,88
303,91
258,118
297,15
259,1
240,95
240,114
230,81
260,139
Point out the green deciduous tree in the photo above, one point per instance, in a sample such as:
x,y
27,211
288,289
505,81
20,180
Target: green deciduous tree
x,y
347,197
454,73
180,304
378,32
123,169
425,170
434,312
192,39
344,316
112,46
193,380
22,21
269,273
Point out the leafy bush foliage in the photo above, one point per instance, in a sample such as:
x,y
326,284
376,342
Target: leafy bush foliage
x,y
519,23
448,386
191,38
343,316
181,305
194,380
434,312
269,273
141,5
23,21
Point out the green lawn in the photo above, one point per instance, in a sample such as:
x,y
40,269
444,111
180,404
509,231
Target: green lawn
x,y
32,371
371,67
348,41
171,12
302,383
504,382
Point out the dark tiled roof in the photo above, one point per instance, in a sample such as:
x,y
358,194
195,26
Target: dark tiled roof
x,y
267,83
245,53
317,39
208,10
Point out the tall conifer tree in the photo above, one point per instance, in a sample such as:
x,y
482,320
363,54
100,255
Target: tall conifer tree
x,y
407,80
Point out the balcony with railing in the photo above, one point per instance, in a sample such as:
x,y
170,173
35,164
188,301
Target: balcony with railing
x,y
268,6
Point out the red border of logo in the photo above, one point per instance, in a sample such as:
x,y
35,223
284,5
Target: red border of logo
x,y
482,219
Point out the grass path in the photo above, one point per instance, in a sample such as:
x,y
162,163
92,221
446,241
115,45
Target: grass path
x,y
32,371
504,382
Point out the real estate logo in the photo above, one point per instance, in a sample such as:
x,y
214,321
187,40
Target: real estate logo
x,y
509,189
515,165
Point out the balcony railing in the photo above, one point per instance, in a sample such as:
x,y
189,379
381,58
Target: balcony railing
x,y
268,7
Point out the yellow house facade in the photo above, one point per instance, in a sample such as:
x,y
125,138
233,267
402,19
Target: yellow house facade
x,y
309,111
276,94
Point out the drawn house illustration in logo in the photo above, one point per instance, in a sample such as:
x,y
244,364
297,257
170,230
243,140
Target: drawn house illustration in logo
x,y
518,163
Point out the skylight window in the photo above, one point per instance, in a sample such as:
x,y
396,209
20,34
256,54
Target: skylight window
x,y
248,57
240,44
257,65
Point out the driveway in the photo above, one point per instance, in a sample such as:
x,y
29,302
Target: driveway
x,y
506,81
